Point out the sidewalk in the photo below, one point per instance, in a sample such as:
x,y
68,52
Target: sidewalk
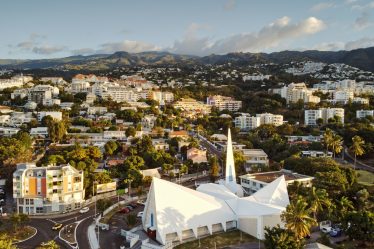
x,y
94,243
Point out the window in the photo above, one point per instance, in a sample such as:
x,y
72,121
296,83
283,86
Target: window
x,y
27,201
31,201
55,191
39,210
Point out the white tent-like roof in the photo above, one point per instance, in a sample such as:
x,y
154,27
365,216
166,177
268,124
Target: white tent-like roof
x,y
175,208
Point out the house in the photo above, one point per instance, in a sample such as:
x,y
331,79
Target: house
x,y
182,134
197,155
255,158
251,183
55,115
96,110
364,113
314,153
8,131
39,132
160,144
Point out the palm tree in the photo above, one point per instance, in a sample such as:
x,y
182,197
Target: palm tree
x,y
297,218
336,144
357,147
318,199
327,137
343,206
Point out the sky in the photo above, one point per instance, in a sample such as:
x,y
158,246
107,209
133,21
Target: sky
x,y
35,29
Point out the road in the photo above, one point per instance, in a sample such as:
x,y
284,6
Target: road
x,y
45,233
359,165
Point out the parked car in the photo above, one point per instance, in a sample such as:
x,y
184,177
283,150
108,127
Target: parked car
x,y
84,210
57,227
335,232
326,229
124,210
140,215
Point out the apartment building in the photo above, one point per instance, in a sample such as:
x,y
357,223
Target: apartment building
x,y
342,96
197,155
251,183
311,116
297,91
80,87
39,132
18,118
192,105
272,119
364,113
119,94
15,81
162,97
96,110
55,115
54,80
255,158
315,153
44,95
41,190
224,103
8,131
246,122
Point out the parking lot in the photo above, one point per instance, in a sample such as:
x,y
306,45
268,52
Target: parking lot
x,y
113,238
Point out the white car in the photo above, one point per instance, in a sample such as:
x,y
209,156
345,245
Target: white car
x,y
84,210
140,214
326,229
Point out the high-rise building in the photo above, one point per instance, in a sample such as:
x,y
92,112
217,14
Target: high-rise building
x,y
311,116
224,103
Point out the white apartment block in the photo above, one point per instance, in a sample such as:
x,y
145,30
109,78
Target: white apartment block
x,y
119,94
43,94
18,118
295,92
364,113
15,81
256,77
162,97
93,110
80,87
311,116
51,189
55,115
247,122
224,103
21,93
342,96
54,80
255,158
272,119
8,131
362,101
39,132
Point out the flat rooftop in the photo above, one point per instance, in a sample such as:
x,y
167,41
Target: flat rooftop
x,y
271,176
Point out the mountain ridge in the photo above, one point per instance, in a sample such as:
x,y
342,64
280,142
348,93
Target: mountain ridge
x,y
362,58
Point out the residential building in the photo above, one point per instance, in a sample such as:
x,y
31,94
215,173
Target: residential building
x,y
19,118
311,116
8,131
342,96
55,115
119,135
272,119
361,101
44,95
39,132
192,105
162,97
182,134
15,81
50,189
255,159
119,94
96,110
54,80
79,86
364,113
297,91
256,77
160,144
246,122
252,183
20,93
90,98
197,155
315,153
224,103
303,139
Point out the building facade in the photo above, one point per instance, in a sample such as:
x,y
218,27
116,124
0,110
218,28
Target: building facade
x,y
40,190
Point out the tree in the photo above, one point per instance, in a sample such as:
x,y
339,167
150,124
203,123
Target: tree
x,y
357,147
130,132
336,144
327,138
360,225
214,169
342,207
49,245
6,242
103,204
318,199
280,238
56,130
19,220
297,218
167,167
131,220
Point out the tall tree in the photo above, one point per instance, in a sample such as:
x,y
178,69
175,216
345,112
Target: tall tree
x,y
214,168
336,144
327,138
297,218
318,199
280,238
56,130
6,242
357,147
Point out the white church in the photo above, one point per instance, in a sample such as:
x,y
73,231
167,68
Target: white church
x,y
176,213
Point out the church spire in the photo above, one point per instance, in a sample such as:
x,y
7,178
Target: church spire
x,y
230,175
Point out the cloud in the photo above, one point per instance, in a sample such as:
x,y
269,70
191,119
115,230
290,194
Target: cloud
x,y
361,7
35,45
321,6
83,51
329,46
360,43
269,36
363,21
47,49
128,46
229,5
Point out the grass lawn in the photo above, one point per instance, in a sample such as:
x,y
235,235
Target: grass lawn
x,y
22,233
365,177
221,240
